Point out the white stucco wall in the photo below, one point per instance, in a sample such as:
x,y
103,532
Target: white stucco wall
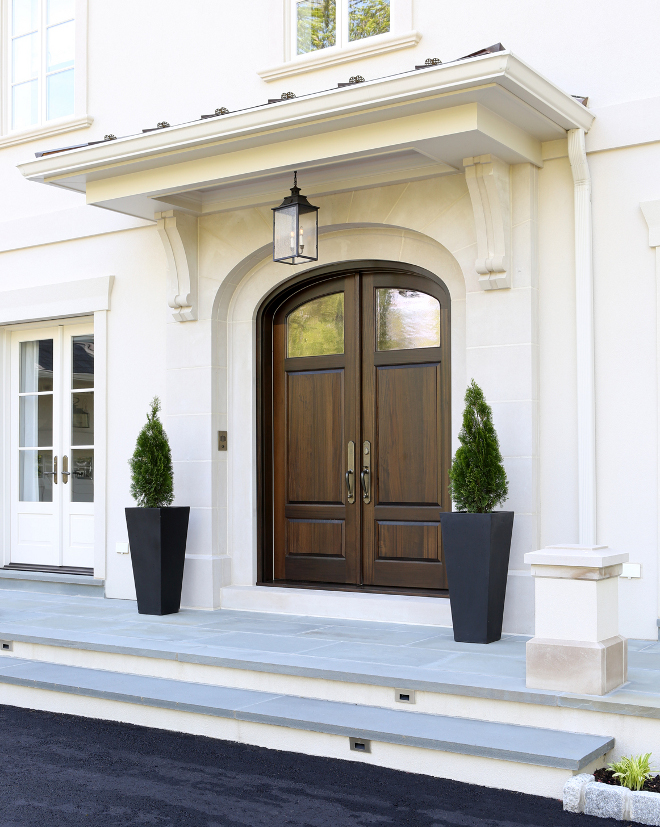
x,y
519,343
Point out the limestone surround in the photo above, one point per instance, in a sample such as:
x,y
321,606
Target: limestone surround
x,y
211,377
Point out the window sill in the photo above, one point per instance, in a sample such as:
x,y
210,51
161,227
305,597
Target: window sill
x,y
370,46
52,128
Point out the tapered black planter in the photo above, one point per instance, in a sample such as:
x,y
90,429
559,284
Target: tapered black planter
x,y
476,551
157,538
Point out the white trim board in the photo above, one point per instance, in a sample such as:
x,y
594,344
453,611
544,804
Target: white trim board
x,y
50,301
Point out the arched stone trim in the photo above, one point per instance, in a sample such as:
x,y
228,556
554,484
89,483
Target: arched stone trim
x,y
238,303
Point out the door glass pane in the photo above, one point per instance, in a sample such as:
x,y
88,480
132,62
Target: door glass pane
x,y
60,46
59,10
406,319
83,362
25,58
317,328
60,92
82,418
368,17
82,475
36,366
35,421
24,105
24,16
316,25
35,472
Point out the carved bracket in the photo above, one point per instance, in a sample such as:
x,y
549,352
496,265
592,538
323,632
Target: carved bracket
x,y
488,184
178,232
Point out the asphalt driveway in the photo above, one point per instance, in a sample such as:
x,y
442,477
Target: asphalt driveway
x,y
65,771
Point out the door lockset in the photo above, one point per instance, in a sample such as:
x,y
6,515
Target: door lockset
x,y
350,473
65,469
365,474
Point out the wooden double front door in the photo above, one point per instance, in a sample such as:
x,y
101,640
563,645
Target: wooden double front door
x,y
358,432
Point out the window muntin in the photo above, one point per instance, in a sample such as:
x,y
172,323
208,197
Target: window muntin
x,y
323,24
316,328
42,34
406,319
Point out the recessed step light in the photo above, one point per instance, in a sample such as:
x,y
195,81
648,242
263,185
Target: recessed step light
x,y
360,745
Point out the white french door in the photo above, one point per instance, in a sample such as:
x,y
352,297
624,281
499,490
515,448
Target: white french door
x,y
52,446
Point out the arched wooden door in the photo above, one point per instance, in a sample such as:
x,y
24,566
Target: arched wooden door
x,y
357,432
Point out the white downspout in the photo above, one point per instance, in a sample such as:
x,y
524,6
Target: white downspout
x,y
584,311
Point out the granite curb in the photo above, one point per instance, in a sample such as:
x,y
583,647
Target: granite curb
x,y
583,794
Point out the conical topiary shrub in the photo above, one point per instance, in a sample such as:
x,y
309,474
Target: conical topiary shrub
x,y
477,479
152,478
476,540
157,531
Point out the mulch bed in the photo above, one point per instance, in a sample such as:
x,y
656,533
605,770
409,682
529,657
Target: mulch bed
x,y
605,776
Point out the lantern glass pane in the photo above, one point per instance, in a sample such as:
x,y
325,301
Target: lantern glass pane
x,y
285,232
307,234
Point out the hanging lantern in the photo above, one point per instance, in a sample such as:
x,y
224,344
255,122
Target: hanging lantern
x,y
295,228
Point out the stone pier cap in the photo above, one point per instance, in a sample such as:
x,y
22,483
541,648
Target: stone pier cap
x,y
576,562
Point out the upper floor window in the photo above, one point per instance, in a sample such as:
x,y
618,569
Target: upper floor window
x,y
320,24
42,56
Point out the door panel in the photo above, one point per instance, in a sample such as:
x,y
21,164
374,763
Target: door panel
x,y
315,404
359,375
406,424
405,419
315,414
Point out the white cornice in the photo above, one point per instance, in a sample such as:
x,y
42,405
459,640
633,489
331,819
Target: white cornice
x,y
375,101
360,49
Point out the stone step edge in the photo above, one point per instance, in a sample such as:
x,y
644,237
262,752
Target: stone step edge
x,y
486,739
378,675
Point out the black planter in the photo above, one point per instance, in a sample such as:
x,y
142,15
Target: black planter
x,y
476,551
157,537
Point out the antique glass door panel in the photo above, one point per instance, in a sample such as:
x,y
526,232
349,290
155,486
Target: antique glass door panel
x,y
315,423
52,446
405,450
77,471
35,410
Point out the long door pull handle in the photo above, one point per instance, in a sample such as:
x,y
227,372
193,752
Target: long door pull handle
x,y
364,473
350,474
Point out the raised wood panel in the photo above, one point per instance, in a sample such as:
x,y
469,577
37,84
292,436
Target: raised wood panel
x,y
407,540
315,404
407,417
318,537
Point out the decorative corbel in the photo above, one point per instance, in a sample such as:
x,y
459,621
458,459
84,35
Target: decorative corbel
x,y
178,232
488,184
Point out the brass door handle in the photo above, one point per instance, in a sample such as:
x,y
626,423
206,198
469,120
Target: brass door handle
x,y
65,469
350,474
365,474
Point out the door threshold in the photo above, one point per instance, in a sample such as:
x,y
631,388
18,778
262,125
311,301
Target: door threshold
x,y
349,587
77,570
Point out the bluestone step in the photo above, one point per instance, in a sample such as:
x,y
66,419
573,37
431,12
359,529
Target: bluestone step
x,y
510,742
51,583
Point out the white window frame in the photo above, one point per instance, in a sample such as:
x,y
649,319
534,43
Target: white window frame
x,y
341,28
79,119
400,36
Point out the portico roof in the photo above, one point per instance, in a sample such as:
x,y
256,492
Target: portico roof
x,y
412,125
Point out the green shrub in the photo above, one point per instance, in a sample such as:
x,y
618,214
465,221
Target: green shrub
x,y
477,479
152,478
632,772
